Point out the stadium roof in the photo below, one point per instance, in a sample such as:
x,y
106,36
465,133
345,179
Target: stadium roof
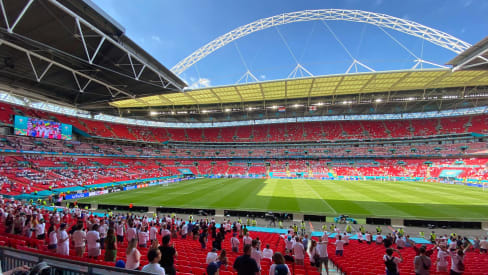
x,y
72,52
474,58
358,83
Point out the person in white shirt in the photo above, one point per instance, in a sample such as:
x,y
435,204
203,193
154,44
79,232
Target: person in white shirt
x,y
212,256
268,252
457,260
40,227
153,233
247,239
102,229
324,256
119,228
234,243
289,242
184,230
131,233
133,256
368,238
484,245
53,239
379,239
154,256
298,251
339,246
400,243
79,239
256,253
164,232
93,242
63,241
345,238
143,237
442,262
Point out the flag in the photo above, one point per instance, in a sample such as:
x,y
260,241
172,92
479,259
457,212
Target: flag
x,y
281,109
312,108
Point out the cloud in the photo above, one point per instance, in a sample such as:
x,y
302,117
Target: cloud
x,y
156,38
378,2
200,83
263,76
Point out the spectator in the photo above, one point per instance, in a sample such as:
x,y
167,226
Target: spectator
x,y
79,239
245,265
442,255
391,262
279,267
110,245
203,238
212,256
93,242
379,239
422,263
247,239
133,256
120,232
256,253
153,256
267,252
63,241
339,246
213,268
298,251
484,245
53,239
103,229
324,256
143,237
168,253
457,260
223,258
234,242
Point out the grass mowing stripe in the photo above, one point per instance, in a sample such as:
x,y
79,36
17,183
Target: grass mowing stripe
x,y
356,198
320,197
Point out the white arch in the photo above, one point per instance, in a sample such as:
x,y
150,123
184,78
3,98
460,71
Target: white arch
x,y
434,36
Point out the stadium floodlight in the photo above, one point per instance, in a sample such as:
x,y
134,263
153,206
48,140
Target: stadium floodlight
x,y
227,110
274,107
153,113
411,98
378,100
297,105
320,104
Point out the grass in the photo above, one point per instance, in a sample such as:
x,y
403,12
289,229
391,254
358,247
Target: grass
x,y
409,200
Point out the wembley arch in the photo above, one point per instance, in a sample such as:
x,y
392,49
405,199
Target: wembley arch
x,y
412,28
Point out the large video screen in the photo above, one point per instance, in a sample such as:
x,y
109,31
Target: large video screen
x,y
36,127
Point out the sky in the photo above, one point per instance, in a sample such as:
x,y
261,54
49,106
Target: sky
x,y
171,30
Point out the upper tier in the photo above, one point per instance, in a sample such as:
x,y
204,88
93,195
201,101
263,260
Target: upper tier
x,y
306,131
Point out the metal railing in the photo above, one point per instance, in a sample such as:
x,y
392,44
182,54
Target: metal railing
x,y
11,258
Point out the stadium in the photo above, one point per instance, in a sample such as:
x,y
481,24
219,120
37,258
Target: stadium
x,y
95,132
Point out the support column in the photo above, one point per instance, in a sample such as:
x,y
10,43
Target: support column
x,y
297,217
93,206
219,213
397,223
484,225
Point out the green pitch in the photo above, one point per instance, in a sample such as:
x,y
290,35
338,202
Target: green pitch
x,y
356,198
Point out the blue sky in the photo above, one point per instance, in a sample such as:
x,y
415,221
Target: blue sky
x,y
170,30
